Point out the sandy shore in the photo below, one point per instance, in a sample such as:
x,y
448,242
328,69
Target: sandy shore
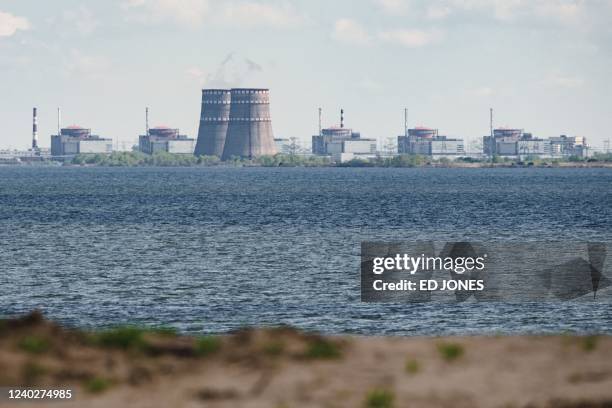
x,y
282,368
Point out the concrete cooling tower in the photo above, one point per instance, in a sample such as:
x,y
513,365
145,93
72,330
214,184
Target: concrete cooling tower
x,y
249,133
214,119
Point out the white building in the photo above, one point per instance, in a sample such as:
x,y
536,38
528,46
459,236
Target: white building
x,y
75,140
426,141
164,139
354,146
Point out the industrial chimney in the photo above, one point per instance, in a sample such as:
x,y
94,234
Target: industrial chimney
x,y
34,130
59,120
249,133
214,121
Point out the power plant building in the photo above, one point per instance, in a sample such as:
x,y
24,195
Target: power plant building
x,y
75,140
235,123
569,146
427,142
503,141
284,146
516,143
165,139
337,140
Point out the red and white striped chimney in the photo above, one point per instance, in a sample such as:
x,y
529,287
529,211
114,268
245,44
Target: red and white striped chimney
x,y
34,130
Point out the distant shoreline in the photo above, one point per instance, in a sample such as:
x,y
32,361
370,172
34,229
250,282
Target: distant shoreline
x,y
452,165
162,159
431,165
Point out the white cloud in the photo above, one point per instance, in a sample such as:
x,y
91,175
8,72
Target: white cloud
x,y
9,24
394,7
187,12
194,13
256,14
438,12
370,85
483,91
559,80
82,19
93,67
509,11
350,32
133,3
411,38
196,74
233,71
565,11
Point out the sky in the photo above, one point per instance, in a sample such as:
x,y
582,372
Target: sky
x,y
542,65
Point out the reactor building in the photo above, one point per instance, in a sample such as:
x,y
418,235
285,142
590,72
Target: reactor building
x,y
516,143
235,123
427,142
339,141
74,140
502,141
165,139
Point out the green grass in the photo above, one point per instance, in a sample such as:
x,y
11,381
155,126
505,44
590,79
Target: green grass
x,y
97,385
379,398
123,337
589,343
32,372
164,331
34,344
450,351
207,345
322,349
412,366
274,348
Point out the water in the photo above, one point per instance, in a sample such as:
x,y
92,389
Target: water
x,y
213,249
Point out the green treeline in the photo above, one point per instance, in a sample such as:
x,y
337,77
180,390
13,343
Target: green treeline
x,y
162,159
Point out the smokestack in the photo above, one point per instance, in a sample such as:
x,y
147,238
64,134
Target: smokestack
x,y
491,120
147,121
341,118
405,121
320,110
59,132
34,130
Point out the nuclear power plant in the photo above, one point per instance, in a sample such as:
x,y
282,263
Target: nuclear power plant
x,y
235,123
214,120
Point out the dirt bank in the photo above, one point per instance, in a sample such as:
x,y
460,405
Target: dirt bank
x,y
283,367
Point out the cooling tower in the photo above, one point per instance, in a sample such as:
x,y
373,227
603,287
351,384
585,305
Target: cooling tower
x,y
249,133
214,119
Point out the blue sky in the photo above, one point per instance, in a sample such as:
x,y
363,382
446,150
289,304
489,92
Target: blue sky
x,y
543,65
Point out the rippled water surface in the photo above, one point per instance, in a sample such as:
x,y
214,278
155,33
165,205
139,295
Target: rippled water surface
x,y
212,249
